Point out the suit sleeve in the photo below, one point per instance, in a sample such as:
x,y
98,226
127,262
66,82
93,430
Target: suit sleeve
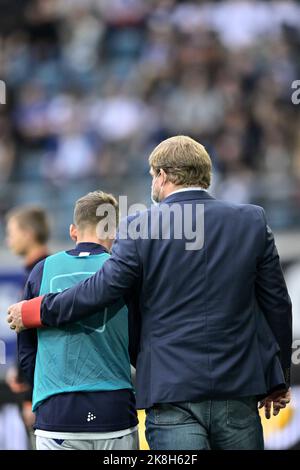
x,y
134,326
274,300
118,274
27,340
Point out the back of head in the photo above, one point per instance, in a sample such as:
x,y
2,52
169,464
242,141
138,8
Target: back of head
x,y
185,161
97,211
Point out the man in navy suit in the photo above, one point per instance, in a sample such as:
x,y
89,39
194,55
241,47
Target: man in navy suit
x,y
215,315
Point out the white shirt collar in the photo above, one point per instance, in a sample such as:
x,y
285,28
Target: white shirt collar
x,y
190,188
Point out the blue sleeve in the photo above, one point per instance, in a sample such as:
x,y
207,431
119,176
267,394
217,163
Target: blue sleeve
x,y
117,276
27,340
273,298
134,324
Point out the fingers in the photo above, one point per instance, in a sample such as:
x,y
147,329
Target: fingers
x,y
284,402
10,316
278,404
13,318
18,329
288,395
10,321
11,308
279,401
277,407
268,406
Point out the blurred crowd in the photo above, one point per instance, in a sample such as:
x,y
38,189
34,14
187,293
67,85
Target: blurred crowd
x,y
94,85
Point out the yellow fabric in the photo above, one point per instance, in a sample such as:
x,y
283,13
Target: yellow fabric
x,y
276,423
143,442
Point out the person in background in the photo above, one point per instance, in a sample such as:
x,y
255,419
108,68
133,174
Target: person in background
x,y
27,235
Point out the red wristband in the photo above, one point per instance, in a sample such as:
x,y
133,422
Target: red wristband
x,y
31,313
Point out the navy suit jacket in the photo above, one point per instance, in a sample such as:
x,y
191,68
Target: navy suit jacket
x,y
215,322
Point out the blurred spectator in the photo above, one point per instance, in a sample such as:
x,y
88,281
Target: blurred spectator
x,y
27,236
7,150
95,84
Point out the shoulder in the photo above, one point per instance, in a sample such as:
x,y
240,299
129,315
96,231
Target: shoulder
x,y
34,280
244,209
37,271
55,256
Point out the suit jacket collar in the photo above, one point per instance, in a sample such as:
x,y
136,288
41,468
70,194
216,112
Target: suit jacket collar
x,y
187,196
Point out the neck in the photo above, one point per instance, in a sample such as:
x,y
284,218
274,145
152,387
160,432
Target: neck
x,y
173,188
34,253
92,239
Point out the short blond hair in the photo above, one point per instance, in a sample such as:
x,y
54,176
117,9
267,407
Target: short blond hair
x,y
86,209
185,161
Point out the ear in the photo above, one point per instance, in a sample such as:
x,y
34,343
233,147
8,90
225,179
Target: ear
x,y
164,175
73,232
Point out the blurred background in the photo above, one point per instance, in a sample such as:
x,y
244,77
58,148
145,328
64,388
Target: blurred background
x,y
92,86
